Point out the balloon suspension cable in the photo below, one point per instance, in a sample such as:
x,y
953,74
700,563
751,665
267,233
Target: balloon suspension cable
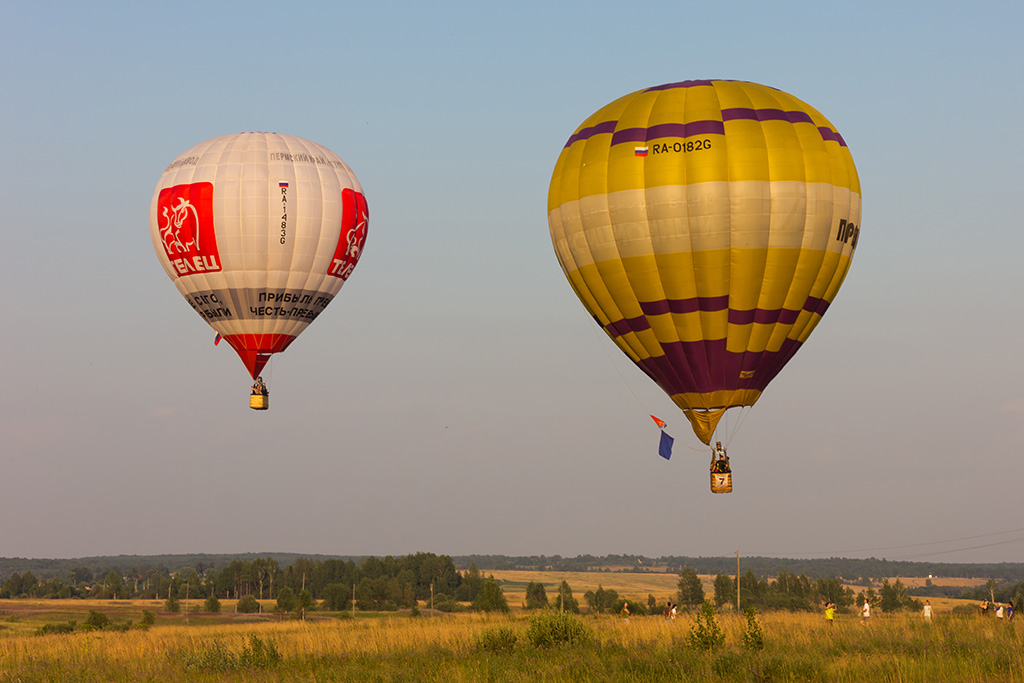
x,y
732,431
614,365
268,370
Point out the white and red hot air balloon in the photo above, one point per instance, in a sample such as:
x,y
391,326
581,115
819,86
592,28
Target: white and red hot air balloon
x,y
258,231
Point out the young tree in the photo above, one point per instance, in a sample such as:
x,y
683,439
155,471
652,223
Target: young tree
x,y
691,590
565,601
536,596
490,599
212,604
305,602
725,590
112,585
894,597
286,600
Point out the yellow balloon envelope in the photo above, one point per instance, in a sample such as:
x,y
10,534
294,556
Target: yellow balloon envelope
x,y
707,226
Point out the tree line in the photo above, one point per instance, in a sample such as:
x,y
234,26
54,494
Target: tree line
x,y
376,584
870,568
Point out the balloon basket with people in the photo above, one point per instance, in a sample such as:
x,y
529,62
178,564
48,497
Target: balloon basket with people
x,y
721,473
259,396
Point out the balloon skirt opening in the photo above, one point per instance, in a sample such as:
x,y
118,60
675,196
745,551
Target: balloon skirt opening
x,y
255,349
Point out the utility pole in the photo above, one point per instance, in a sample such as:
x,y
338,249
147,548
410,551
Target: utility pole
x,y
353,601
737,582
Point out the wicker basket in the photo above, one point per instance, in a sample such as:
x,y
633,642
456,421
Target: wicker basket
x,y
259,401
721,482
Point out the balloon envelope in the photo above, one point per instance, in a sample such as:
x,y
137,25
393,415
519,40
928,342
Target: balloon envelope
x,y
707,226
258,231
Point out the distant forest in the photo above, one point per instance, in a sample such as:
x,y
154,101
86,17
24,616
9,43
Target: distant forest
x,y
763,567
394,583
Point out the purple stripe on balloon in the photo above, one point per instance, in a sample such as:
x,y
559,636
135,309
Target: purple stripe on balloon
x,y
707,127
746,113
624,326
815,305
596,129
685,130
629,135
706,366
711,304
680,84
697,303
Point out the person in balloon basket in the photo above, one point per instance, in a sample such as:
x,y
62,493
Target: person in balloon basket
x,y
259,388
719,459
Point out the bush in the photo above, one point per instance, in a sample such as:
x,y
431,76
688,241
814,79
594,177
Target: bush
x,y
248,605
502,639
97,620
214,657
257,655
212,604
556,629
254,655
148,618
49,629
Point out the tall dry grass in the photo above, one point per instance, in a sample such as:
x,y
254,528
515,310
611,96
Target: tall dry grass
x,y
800,647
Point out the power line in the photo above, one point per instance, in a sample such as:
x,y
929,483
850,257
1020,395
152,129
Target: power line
x,y
957,550
905,546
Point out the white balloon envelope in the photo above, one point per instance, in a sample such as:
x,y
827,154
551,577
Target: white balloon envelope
x,y
258,231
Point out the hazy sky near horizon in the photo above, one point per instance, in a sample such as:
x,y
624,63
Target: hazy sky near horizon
x,y
456,398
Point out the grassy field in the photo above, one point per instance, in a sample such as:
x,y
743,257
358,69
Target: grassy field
x,y
472,647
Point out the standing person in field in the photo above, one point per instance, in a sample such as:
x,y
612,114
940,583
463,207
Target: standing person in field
x,y
1009,611
830,613
999,612
865,613
625,611
927,612
984,608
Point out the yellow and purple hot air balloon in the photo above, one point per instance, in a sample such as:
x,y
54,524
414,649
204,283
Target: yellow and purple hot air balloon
x,y
707,226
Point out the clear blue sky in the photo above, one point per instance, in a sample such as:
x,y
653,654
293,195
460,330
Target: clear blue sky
x,y
456,398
